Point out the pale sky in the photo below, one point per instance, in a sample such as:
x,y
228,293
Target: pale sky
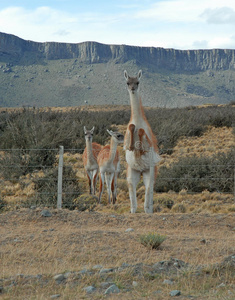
x,y
179,24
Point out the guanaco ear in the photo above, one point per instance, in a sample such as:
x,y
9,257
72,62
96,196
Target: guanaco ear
x,y
92,130
126,75
110,132
84,129
139,74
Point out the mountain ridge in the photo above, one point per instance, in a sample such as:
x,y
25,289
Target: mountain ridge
x,y
68,74
95,52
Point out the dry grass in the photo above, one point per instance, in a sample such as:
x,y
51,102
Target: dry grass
x,y
199,230
214,141
72,240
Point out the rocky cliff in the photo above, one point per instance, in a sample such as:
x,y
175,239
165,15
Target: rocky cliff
x,y
93,52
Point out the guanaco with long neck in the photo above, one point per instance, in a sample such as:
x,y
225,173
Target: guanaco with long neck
x,y
109,166
141,147
89,158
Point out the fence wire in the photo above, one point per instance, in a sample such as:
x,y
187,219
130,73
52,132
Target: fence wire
x,y
30,177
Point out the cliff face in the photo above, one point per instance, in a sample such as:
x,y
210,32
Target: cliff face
x,y
93,52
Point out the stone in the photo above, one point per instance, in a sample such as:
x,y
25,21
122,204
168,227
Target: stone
x,y
175,293
102,271
113,289
106,284
46,213
135,283
222,285
97,267
129,230
168,281
89,289
55,296
58,278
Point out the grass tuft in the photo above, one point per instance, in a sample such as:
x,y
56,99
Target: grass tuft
x,y
152,240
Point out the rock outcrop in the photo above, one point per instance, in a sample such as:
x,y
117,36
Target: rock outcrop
x,y
93,52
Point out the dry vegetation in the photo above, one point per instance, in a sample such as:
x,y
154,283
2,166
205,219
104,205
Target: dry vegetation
x,y
71,241
199,226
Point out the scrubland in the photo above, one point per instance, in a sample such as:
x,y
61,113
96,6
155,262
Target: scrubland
x,y
193,207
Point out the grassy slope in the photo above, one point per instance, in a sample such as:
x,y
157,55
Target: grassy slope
x,y
69,83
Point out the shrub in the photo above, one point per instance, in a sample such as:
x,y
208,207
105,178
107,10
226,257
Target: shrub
x,y
171,124
179,208
46,188
152,240
3,205
18,162
47,129
85,202
164,202
196,174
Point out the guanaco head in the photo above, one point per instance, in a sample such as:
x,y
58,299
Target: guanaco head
x,y
117,136
89,134
132,82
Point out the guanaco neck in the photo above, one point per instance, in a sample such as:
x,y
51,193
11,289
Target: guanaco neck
x,y
136,108
113,149
90,157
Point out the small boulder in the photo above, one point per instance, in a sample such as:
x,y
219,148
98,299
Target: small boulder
x,y
89,289
175,293
112,289
46,213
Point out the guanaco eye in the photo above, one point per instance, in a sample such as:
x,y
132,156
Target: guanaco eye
x,y
137,83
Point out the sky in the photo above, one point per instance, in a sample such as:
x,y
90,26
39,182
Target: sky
x,y
178,24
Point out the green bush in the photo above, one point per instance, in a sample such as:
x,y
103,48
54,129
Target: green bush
x,y
171,124
19,162
196,174
179,208
46,129
37,133
85,202
164,202
152,240
3,205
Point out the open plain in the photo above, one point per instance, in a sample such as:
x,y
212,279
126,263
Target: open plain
x,y
60,255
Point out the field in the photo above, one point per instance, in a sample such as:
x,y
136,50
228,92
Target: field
x,y
84,253
96,249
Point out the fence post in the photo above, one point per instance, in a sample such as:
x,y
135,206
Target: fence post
x,y
60,175
151,174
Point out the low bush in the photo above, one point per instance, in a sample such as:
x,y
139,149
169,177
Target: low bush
x,y
85,202
179,208
3,205
164,202
46,188
152,240
196,174
19,162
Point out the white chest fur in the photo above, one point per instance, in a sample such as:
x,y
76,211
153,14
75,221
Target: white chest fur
x,y
143,162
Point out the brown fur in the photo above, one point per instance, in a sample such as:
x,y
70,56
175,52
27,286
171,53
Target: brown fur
x,y
105,154
96,148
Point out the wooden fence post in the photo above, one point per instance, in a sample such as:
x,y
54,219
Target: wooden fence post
x,y
60,177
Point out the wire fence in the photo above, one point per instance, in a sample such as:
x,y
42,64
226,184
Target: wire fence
x,y
36,177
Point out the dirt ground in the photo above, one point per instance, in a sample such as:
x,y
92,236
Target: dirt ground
x,y
196,239
32,244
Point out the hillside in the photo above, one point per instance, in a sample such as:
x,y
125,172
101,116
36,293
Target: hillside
x,y
59,74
